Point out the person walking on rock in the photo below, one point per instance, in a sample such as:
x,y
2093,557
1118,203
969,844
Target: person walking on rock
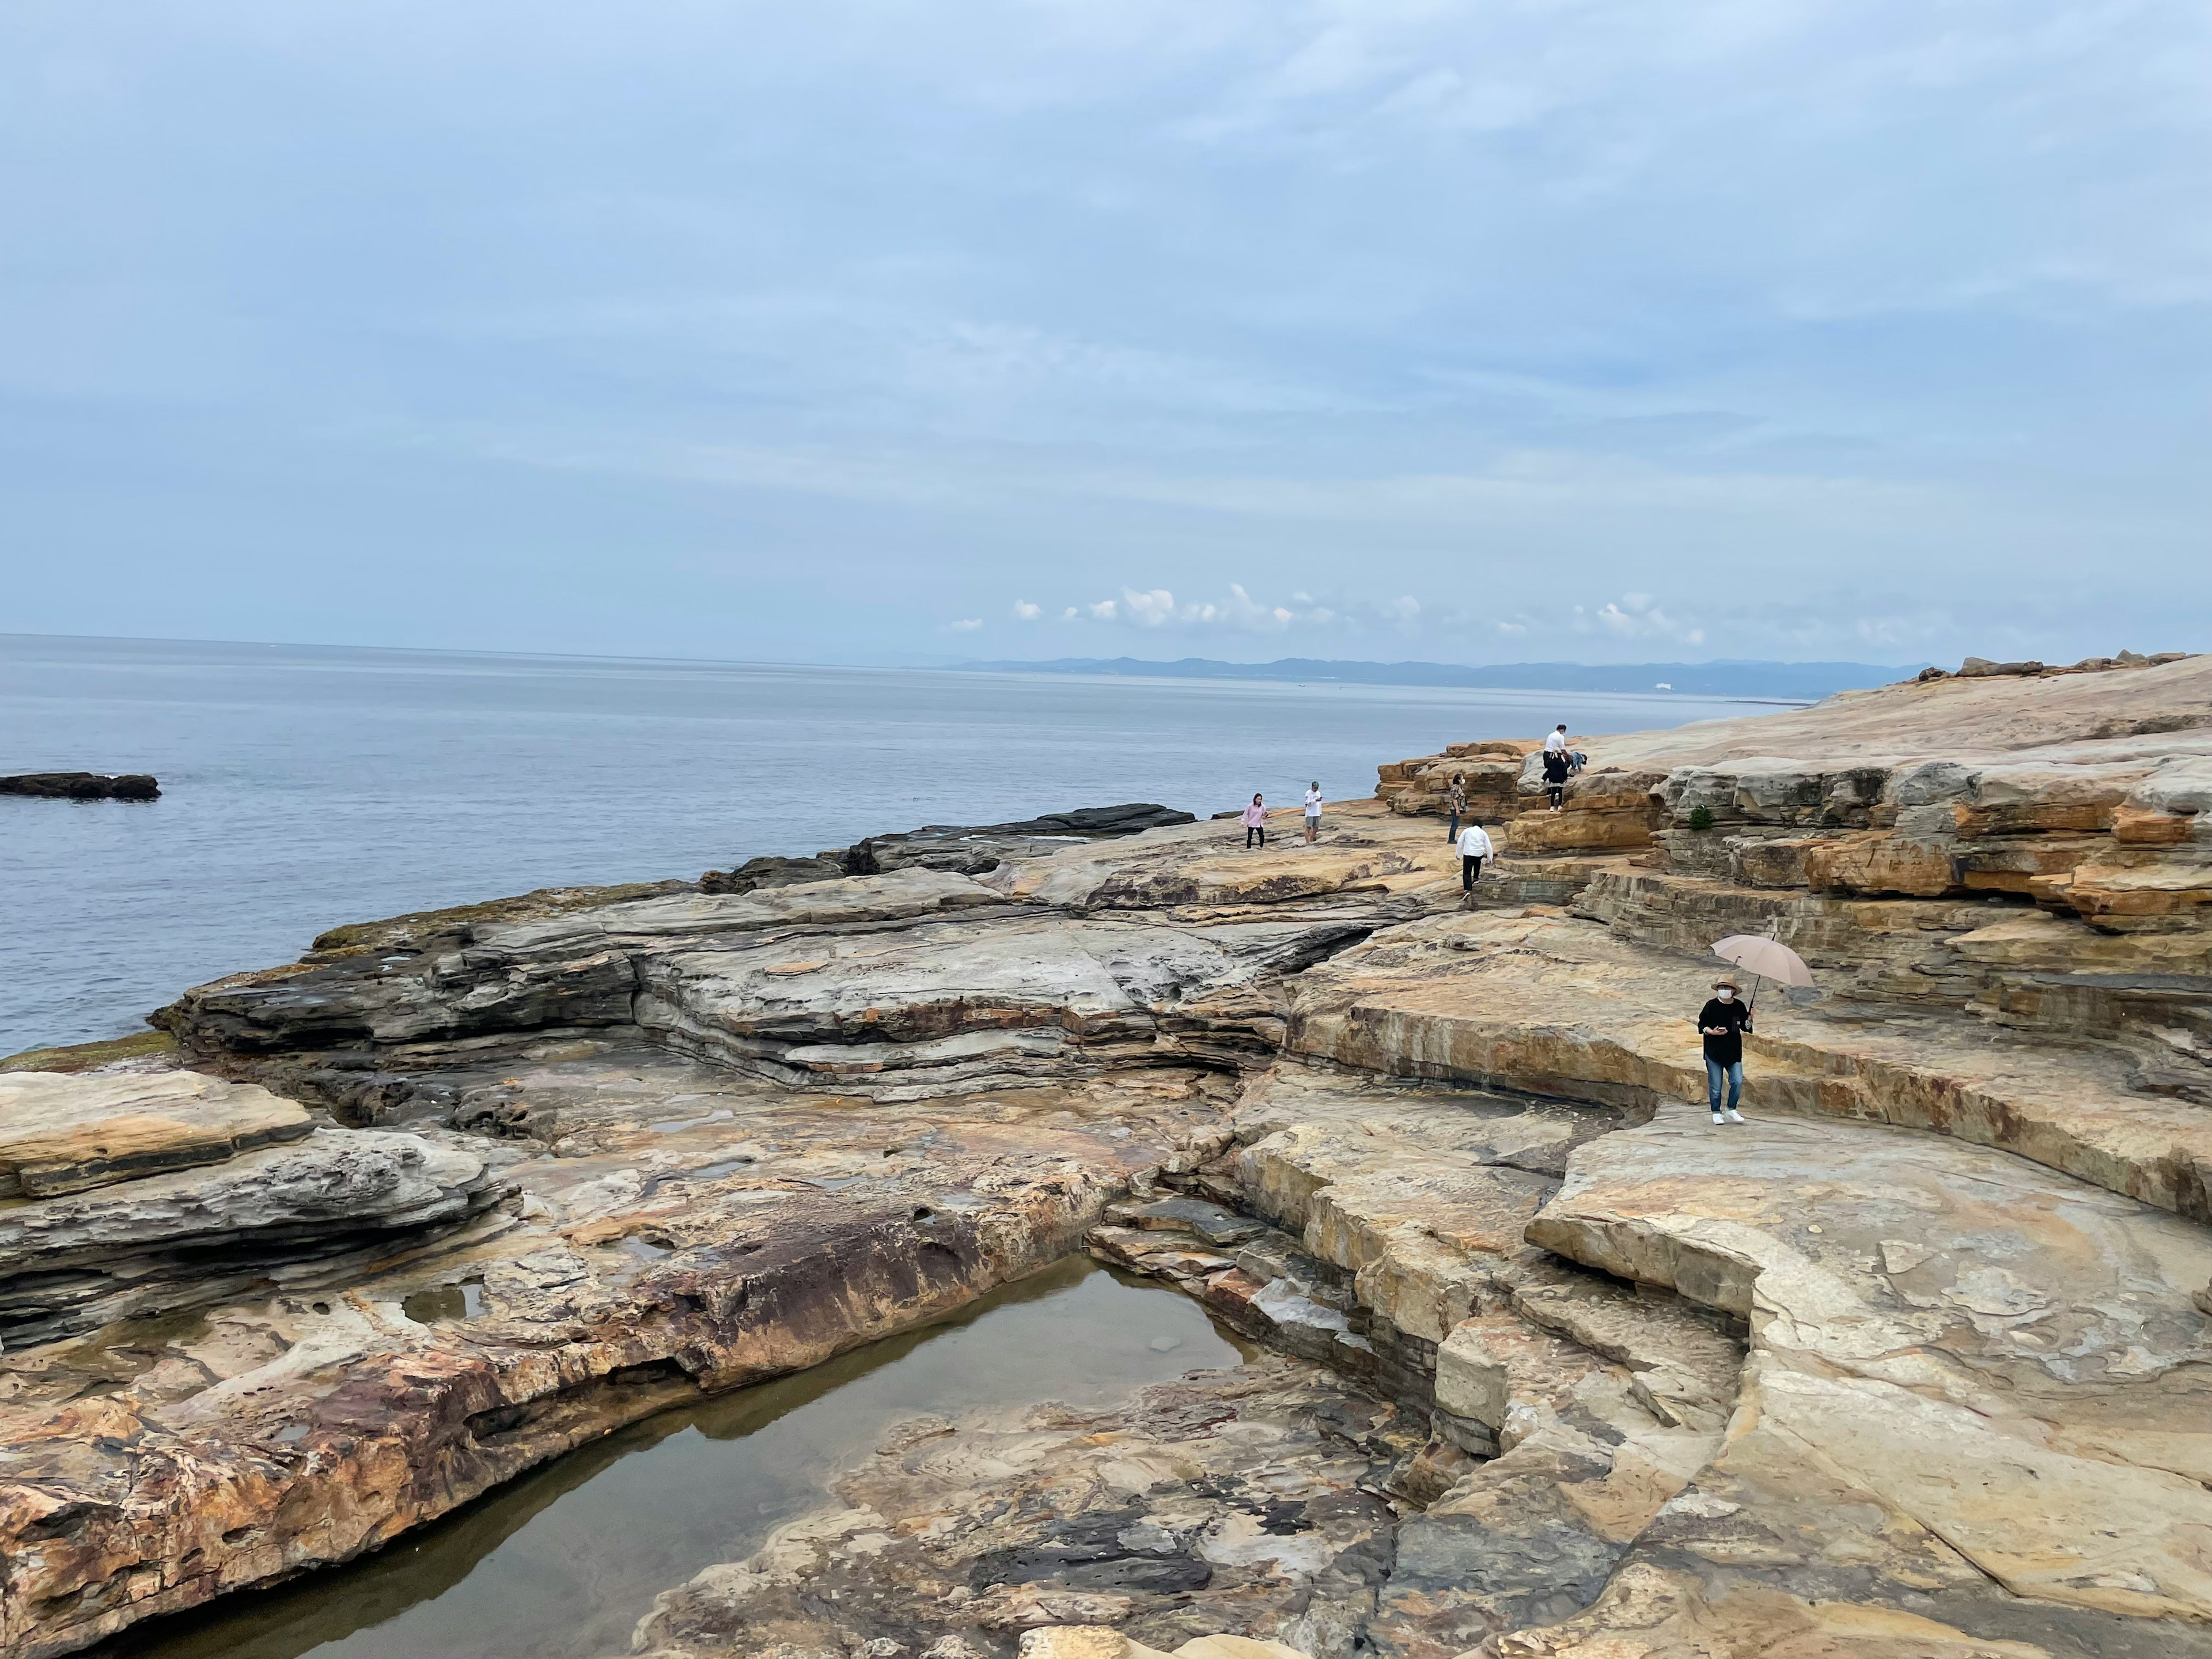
x,y
1458,803
1474,847
1556,767
1256,824
1313,811
1723,1022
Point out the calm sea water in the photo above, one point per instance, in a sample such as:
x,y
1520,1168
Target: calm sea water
x,y
306,787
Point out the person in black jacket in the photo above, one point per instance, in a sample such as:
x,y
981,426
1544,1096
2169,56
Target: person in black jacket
x,y
1723,1022
1556,767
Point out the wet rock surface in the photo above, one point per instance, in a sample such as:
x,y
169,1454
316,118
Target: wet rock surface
x,y
1252,1502
1912,1365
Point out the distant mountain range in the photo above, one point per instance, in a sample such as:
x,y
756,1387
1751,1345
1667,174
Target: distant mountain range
x,y
1789,681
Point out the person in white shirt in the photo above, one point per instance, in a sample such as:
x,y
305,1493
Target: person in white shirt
x,y
1556,744
1474,847
1313,811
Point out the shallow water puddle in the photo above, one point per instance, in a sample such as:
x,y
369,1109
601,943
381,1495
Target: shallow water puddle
x,y
562,1563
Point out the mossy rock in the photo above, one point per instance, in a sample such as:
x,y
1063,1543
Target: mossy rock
x,y
84,1056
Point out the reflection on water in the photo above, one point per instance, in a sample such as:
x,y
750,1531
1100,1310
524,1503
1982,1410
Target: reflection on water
x,y
562,1564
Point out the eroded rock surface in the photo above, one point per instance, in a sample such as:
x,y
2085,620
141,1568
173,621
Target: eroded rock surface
x,y
1911,1366
312,1211
64,1134
1977,1408
694,1231
1250,1502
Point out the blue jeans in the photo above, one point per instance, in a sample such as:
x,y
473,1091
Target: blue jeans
x,y
1714,1072
1453,832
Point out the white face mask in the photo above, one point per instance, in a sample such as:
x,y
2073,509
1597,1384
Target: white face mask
x,y
1728,996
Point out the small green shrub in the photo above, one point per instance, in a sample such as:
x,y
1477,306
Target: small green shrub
x,y
1700,819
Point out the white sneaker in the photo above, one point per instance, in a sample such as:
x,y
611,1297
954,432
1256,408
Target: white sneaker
x,y
1734,1115
1718,1118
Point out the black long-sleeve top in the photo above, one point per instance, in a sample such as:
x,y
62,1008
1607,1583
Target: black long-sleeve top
x,y
1736,1015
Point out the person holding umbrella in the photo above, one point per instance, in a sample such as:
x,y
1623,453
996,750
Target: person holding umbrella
x,y
1723,1022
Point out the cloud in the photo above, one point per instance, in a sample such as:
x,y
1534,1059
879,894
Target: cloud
x,y
1637,616
1239,612
1150,610
1745,340
966,624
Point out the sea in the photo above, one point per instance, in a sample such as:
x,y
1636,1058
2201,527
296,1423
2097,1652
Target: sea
x,y
303,786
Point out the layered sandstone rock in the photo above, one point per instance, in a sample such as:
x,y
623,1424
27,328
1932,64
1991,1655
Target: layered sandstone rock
x,y
1489,772
65,1134
1251,1501
314,1212
1977,1410
968,850
686,1231
1910,1365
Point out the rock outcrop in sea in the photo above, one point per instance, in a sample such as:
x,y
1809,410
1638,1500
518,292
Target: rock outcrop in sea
x,y
1913,1365
80,785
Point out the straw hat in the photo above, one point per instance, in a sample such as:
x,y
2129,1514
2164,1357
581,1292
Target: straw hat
x,y
1728,980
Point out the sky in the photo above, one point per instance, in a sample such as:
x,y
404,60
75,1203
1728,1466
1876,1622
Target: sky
x,y
1523,329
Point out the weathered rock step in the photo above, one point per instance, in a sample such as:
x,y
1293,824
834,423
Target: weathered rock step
x,y
1559,1006
170,1244
2024,966
1575,1447
61,1134
1976,1350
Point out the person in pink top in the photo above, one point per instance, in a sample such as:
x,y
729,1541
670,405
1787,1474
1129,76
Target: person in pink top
x,y
1256,824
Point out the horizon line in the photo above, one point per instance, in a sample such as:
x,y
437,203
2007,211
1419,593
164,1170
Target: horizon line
x,y
935,661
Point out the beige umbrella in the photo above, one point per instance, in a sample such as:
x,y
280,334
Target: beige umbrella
x,y
1764,958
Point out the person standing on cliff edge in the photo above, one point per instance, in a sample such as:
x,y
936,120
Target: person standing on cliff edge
x,y
1723,1022
1458,804
1313,811
1256,824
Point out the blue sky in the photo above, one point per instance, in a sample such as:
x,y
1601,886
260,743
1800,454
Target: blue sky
x,y
1612,330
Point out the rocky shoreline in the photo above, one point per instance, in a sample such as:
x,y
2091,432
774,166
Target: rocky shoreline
x,y
1915,1365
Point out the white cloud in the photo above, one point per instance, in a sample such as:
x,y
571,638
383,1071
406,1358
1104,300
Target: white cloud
x,y
1637,616
1158,608
1151,609
1025,611
966,624
1512,627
